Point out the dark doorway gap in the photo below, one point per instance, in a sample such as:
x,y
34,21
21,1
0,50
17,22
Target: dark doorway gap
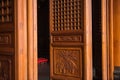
x,y
43,28
43,38
97,39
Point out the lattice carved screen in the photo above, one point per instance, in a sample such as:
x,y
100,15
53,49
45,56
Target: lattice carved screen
x,y
67,15
5,11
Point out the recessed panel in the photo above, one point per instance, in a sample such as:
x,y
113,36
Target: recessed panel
x,y
68,62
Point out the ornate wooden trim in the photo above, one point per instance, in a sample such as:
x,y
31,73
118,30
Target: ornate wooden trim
x,y
71,38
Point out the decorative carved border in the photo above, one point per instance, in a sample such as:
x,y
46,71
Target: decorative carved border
x,y
5,39
72,38
68,62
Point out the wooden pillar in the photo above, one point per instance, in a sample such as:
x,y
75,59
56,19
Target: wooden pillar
x,y
20,18
104,40
35,53
111,47
32,39
88,39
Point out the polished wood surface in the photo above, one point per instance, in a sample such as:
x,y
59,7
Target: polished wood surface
x,y
114,38
111,47
25,39
88,40
71,40
20,23
116,32
32,39
104,34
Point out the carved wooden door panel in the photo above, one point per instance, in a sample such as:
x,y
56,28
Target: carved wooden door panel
x,y
70,40
6,40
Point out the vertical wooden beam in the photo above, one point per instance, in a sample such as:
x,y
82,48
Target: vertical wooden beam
x,y
111,59
20,39
35,39
30,40
104,40
51,29
88,39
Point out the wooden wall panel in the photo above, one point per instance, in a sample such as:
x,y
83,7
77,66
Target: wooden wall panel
x,y
116,32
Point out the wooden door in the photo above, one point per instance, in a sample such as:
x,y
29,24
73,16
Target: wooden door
x,y
13,56
70,40
7,45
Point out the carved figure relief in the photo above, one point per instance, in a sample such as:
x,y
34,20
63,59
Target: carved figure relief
x,y
68,62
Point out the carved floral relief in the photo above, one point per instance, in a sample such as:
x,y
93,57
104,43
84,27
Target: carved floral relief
x,y
68,62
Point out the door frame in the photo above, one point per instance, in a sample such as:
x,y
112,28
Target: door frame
x,y
32,39
107,40
20,23
88,75
25,22
111,57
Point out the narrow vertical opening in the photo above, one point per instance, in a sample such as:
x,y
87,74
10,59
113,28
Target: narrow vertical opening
x,y
97,39
43,39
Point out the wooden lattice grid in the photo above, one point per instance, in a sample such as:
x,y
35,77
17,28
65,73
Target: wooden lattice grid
x,y
5,11
67,15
